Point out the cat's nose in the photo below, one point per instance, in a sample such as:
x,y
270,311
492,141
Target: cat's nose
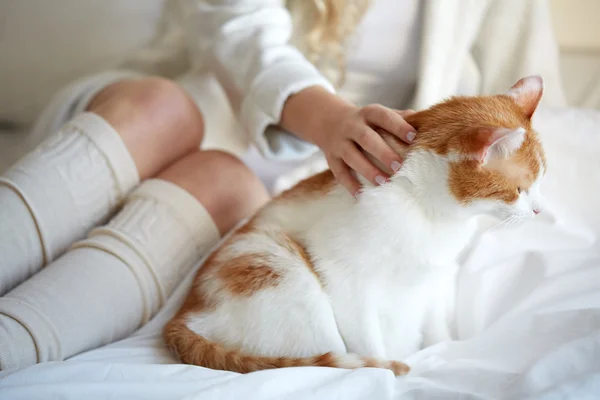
x,y
536,211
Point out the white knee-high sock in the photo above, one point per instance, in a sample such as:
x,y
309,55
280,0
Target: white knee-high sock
x,y
57,193
109,284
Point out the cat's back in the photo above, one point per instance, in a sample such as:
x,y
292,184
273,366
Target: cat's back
x,y
298,209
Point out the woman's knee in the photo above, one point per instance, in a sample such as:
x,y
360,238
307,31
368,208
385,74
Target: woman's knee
x,y
222,183
156,118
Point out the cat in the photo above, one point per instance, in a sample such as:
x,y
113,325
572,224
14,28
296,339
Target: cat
x,y
319,278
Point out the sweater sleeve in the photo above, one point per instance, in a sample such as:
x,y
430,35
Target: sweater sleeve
x,y
246,45
516,39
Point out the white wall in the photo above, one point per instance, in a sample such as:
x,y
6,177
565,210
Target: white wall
x,y
44,44
577,28
577,24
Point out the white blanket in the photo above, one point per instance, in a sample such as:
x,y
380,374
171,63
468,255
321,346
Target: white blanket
x,y
527,321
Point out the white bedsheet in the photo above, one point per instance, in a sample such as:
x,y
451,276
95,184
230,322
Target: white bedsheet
x,y
527,321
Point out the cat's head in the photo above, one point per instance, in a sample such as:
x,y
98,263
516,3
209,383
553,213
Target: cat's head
x,y
482,153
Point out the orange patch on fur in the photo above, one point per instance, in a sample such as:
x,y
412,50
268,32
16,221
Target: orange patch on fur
x,y
371,362
325,360
501,180
247,274
295,247
449,126
468,181
397,367
248,227
452,127
316,185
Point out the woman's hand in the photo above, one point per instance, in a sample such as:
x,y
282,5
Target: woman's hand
x,y
354,133
344,132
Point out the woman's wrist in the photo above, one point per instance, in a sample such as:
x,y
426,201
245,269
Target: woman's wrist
x,y
310,113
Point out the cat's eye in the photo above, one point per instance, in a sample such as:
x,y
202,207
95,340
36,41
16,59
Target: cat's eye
x,y
519,189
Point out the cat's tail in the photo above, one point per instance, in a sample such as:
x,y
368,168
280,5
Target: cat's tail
x,y
194,349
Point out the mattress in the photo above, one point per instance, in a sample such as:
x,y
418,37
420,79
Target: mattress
x,y
527,323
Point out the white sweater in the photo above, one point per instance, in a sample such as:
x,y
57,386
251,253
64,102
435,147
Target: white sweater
x,y
382,56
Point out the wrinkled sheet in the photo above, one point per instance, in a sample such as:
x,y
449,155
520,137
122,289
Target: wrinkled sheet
x,y
527,321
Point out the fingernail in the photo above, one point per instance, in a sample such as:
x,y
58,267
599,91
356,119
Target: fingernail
x,y
396,166
411,136
380,179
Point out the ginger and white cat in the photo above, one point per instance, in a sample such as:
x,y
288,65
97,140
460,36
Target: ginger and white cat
x,y
320,278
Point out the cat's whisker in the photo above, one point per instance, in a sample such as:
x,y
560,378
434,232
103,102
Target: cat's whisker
x,y
511,222
502,224
499,224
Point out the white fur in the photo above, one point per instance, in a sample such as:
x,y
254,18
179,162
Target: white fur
x,y
386,263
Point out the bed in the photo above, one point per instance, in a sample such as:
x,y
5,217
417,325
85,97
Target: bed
x,y
527,324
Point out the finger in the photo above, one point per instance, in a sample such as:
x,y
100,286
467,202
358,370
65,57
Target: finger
x,y
397,145
374,144
383,117
405,113
359,163
343,175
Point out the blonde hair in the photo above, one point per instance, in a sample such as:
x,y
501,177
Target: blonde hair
x,y
333,23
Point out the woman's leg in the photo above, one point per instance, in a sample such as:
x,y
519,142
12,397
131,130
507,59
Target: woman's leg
x,y
116,279
78,177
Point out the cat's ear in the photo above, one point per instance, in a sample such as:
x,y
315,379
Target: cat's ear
x,y
527,93
496,143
